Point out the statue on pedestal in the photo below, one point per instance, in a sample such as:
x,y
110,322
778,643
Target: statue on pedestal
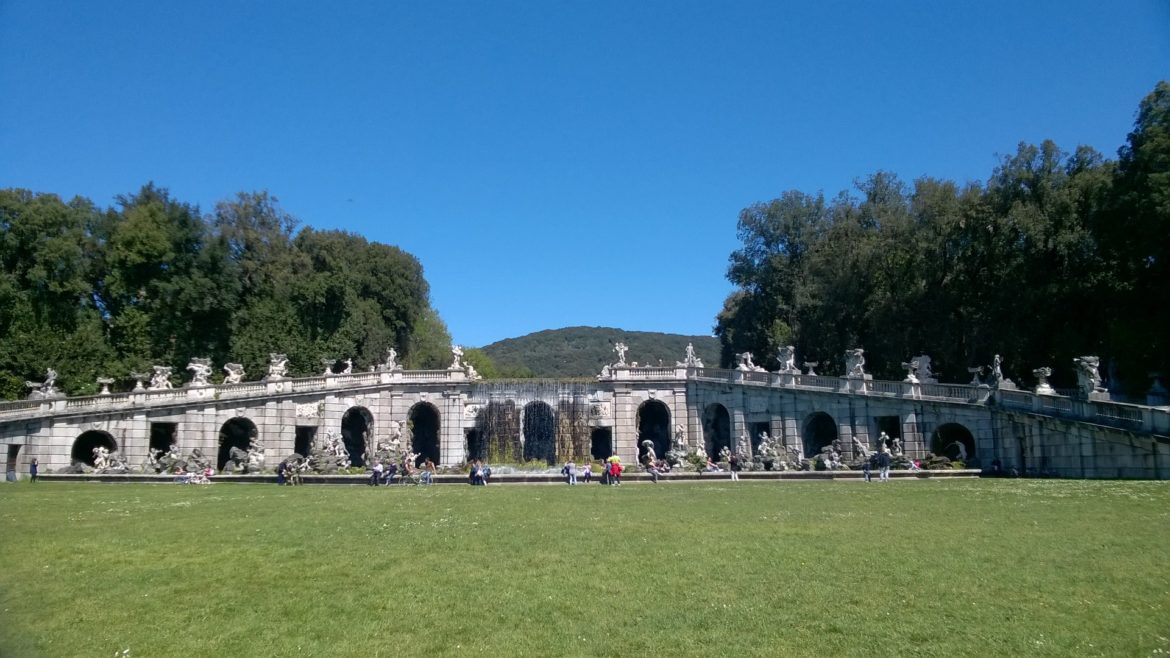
x,y
1042,386
787,358
45,389
160,379
200,372
621,350
855,364
457,354
1088,378
235,373
277,366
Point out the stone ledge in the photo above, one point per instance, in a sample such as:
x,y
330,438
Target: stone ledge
x,y
523,478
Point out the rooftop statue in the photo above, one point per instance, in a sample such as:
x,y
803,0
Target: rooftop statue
x,y
200,372
391,362
1042,386
810,365
457,357
911,368
1088,378
924,373
45,389
277,366
855,364
787,358
160,378
621,350
235,373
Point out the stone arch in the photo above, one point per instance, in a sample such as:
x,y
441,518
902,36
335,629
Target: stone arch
x,y
424,430
944,439
540,432
820,430
716,429
357,427
85,443
654,425
235,433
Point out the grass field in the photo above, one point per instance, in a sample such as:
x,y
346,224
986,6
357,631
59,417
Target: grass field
x,y
973,567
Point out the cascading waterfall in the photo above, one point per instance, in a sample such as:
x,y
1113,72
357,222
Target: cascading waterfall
x,y
527,419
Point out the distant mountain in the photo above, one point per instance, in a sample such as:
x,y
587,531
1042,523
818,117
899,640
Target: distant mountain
x,y
582,351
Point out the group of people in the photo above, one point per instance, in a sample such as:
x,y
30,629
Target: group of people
x,y
611,472
479,474
407,472
572,474
194,476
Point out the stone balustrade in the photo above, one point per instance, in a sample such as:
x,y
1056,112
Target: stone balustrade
x,y
1126,416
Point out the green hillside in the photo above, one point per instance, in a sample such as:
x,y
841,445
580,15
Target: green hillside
x,y
582,351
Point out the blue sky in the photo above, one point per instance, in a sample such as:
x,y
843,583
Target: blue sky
x,y
554,163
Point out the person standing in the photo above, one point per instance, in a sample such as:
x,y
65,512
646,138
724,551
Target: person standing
x,y
733,463
571,472
33,467
884,465
865,468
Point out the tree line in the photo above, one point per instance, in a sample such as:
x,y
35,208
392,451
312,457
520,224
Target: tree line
x,y
96,292
1058,254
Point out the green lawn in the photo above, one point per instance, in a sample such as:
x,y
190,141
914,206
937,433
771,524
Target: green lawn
x,y
972,567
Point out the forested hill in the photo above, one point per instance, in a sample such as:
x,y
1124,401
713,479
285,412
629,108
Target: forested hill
x,y
582,351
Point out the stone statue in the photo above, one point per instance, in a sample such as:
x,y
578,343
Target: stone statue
x,y
743,448
649,457
391,362
746,364
976,375
1042,386
200,372
690,360
101,459
472,374
787,358
860,449
962,450
883,439
277,366
896,446
45,389
810,365
348,369
197,460
680,437
911,367
160,380
105,382
1088,378
457,357
724,454
235,373
138,378
996,374
855,363
924,373
328,363
605,372
621,350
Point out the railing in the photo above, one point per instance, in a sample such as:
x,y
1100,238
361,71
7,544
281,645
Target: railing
x,y
425,375
1055,404
1119,413
1108,413
949,392
888,388
242,390
818,381
656,372
18,407
1015,399
308,384
756,377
